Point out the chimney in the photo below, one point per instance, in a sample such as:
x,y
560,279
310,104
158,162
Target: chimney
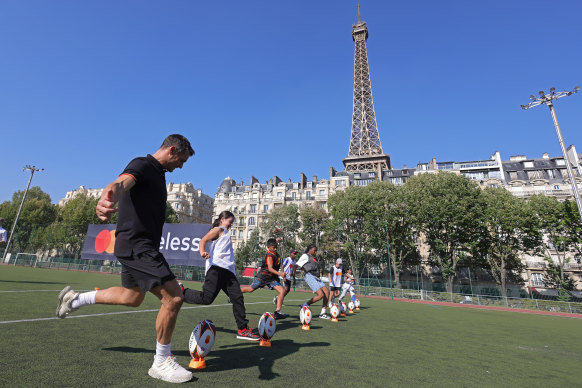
x,y
545,155
315,178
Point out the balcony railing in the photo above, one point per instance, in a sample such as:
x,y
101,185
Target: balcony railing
x,y
573,266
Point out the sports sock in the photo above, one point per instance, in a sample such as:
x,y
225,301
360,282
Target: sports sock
x,y
332,299
162,352
322,311
305,305
353,298
83,299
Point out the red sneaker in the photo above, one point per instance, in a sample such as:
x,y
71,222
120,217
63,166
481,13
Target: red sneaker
x,y
247,334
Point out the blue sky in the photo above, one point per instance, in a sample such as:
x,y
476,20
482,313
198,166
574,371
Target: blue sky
x,y
264,88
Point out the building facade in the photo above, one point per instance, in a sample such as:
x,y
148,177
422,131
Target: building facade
x,y
190,204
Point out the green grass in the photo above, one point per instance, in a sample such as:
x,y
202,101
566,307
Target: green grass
x,y
385,344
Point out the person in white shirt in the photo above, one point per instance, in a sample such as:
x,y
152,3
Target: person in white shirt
x,y
220,274
289,266
3,233
348,286
335,280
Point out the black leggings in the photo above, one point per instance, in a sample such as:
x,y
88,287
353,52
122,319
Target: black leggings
x,y
217,279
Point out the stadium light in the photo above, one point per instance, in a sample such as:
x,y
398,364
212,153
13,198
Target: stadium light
x,y
547,99
32,169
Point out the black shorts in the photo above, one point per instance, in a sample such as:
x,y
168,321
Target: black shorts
x,y
287,284
335,288
145,270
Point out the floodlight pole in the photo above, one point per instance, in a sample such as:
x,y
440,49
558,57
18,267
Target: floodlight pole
x,y
547,99
32,169
389,262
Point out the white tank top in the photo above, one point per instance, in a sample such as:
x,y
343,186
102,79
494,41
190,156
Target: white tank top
x,y
221,252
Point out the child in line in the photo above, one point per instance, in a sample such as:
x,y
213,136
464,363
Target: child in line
x,y
268,276
348,286
289,269
335,280
220,274
308,263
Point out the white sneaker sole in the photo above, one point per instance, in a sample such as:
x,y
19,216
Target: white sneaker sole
x,y
66,296
247,338
153,373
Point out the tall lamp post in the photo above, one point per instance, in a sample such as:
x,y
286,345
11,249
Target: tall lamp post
x,y
32,169
547,99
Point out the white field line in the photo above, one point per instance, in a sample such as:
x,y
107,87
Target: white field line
x,y
126,312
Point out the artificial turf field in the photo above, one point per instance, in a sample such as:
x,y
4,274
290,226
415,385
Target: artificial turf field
x,y
387,343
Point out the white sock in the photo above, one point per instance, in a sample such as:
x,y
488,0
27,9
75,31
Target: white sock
x,y
162,352
83,299
322,311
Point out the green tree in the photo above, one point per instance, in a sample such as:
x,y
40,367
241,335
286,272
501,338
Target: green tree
x,y
73,219
389,217
171,216
510,231
348,210
315,230
250,251
37,212
282,223
551,219
449,213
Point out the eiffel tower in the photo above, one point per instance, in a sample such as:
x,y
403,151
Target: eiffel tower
x,y
365,153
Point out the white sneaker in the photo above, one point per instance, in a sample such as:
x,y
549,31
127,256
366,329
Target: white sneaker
x,y
169,370
275,300
323,316
66,297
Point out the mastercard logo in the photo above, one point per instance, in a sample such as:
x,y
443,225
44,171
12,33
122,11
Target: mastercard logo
x,y
105,241
338,273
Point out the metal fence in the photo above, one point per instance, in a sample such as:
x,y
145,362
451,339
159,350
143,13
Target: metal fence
x,y
371,287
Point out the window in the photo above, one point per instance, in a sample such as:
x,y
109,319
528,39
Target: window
x,y
357,175
309,185
535,174
251,220
321,192
556,187
372,174
242,220
537,280
253,209
254,196
513,175
240,234
528,164
233,233
266,219
265,208
560,162
550,174
323,205
293,195
279,194
340,182
308,195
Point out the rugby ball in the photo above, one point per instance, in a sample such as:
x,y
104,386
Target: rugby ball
x,y
267,325
343,307
334,311
305,315
351,305
202,339
357,303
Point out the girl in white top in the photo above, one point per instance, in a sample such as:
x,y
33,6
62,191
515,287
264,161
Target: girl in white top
x,y
220,274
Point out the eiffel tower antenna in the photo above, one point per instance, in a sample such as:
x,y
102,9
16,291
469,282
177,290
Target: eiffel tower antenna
x,y
365,152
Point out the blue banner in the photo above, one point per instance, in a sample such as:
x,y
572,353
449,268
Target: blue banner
x,y
179,244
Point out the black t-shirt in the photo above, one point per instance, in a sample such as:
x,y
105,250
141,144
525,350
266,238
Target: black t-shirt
x,y
142,210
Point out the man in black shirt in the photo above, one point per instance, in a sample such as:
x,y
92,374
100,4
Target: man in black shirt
x,y
141,193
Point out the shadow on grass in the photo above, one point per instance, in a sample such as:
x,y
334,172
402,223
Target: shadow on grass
x,y
239,356
29,282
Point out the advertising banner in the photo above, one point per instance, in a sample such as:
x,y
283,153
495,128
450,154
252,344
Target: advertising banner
x,y
179,243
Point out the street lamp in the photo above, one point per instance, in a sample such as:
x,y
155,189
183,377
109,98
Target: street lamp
x,y
547,99
32,169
